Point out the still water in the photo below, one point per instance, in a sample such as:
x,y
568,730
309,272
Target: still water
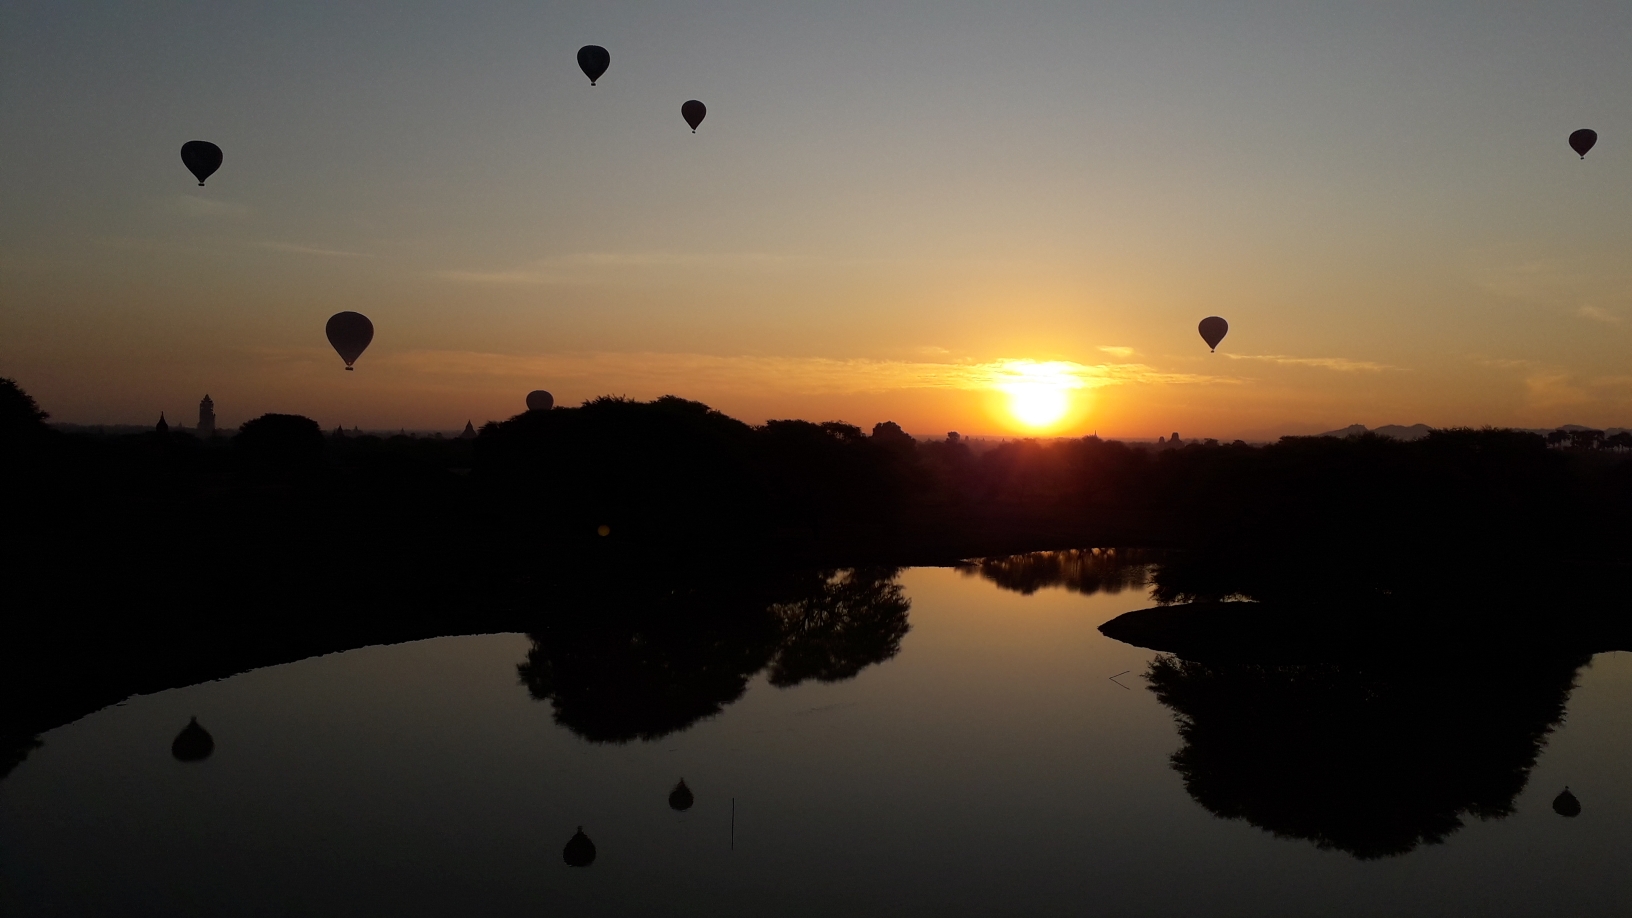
x,y
991,766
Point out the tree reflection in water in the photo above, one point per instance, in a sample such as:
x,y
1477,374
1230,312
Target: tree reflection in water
x,y
845,623
1084,570
1369,759
682,656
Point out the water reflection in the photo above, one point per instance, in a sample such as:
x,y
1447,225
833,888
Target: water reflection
x,y
193,743
681,799
1370,759
579,850
1083,570
644,673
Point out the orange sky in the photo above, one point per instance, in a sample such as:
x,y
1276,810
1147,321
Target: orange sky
x,y
889,213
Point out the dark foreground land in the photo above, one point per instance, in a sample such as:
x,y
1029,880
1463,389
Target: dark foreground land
x,y
637,538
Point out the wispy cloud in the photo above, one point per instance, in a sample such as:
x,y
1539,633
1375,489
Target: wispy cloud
x,y
1598,314
1550,386
311,250
655,373
1552,390
1340,364
581,266
1117,351
194,206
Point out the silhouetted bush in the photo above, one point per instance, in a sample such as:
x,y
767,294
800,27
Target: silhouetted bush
x,y
20,415
283,440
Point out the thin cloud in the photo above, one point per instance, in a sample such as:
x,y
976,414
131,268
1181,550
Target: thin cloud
x,y
311,250
581,266
1117,351
1340,364
1598,315
195,206
660,372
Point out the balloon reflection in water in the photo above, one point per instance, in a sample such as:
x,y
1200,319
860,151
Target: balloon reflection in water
x,y
193,743
580,851
680,798
1565,804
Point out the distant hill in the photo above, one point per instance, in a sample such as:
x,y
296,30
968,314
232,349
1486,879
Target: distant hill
x,y
1395,431
1418,431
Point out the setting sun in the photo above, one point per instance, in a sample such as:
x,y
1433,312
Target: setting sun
x,y
1037,406
1039,393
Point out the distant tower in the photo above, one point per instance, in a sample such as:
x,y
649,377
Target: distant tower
x,y
206,418
470,432
161,427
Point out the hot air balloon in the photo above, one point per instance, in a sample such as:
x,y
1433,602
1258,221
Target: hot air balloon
x,y
1565,804
680,798
539,400
580,851
1581,141
202,158
694,113
593,61
1213,329
193,743
349,334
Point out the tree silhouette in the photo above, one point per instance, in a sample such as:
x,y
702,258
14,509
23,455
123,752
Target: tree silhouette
x,y
281,439
19,412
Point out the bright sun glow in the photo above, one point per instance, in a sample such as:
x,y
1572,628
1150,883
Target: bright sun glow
x,y
1039,393
1037,406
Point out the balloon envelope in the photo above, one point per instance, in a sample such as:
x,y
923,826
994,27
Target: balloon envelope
x,y
539,400
1213,329
349,334
1565,804
1581,141
201,158
593,61
693,112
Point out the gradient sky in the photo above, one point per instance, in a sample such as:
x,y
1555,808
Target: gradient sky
x,y
888,206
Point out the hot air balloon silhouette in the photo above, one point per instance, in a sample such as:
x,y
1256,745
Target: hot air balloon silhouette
x,y
693,112
593,61
1565,804
1213,329
680,798
580,851
349,334
1580,141
201,158
193,743
539,400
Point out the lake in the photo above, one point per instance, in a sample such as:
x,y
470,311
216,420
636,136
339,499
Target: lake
x,y
999,757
